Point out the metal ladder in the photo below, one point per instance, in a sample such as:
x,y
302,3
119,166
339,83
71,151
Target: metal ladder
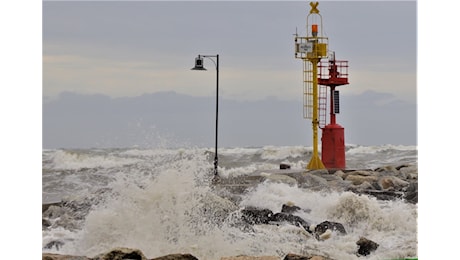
x,y
308,96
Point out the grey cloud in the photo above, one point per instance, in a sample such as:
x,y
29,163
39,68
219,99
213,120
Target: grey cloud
x,y
245,30
83,121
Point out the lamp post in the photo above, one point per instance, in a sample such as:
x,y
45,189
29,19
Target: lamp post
x,y
199,66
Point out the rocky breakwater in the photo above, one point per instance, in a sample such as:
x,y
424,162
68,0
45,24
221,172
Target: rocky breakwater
x,y
385,183
135,254
392,182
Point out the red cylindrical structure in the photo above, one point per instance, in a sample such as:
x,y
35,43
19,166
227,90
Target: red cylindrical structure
x,y
333,146
333,136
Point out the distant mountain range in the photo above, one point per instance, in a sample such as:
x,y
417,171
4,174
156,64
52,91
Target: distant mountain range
x,y
169,119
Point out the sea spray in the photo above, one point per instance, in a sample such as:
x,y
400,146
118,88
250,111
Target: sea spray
x,y
172,211
162,201
392,223
147,212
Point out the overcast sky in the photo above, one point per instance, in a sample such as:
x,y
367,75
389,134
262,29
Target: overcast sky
x,y
122,48
129,48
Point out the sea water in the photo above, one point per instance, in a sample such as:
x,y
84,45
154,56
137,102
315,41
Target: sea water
x,y
162,201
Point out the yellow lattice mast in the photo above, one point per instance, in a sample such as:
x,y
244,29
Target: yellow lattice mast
x,y
311,49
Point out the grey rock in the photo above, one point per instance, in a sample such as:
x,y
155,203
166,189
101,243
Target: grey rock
x,y
122,253
366,246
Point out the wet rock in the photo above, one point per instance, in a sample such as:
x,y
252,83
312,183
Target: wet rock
x,y
289,208
45,223
280,178
47,205
47,256
358,179
384,195
389,169
360,173
366,246
312,182
245,257
285,166
365,186
340,174
325,229
289,218
411,193
176,257
256,216
328,225
122,253
409,173
57,244
296,257
68,222
53,211
392,182
319,172
305,257
401,166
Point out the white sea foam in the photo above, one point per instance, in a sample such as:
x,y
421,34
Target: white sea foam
x,y
393,224
160,201
375,149
284,152
71,160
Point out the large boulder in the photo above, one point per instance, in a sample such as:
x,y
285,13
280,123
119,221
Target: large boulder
x,y
411,193
325,229
48,256
385,194
289,218
329,225
176,257
47,205
291,256
312,182
392,182
358,179
253,215
122,253
280,178
245,257
366,246
388,170
289,208
45,223
57,244
409,172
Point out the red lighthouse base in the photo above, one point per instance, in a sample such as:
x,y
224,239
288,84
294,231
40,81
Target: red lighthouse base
x,y
333,147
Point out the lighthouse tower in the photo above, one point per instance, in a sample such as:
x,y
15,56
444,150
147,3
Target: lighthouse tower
x,y
311,49
320,71
333,73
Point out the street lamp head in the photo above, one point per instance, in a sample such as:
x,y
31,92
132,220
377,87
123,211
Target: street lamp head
x,y
198,63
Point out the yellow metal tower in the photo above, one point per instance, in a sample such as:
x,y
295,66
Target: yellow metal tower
x,y
311,49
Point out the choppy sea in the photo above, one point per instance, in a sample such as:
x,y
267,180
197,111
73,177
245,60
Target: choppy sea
x,y
158,201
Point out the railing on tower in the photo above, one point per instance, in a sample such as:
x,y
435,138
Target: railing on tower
x,y
333,72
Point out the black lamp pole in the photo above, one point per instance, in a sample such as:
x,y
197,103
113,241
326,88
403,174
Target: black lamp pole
x,y
199,66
